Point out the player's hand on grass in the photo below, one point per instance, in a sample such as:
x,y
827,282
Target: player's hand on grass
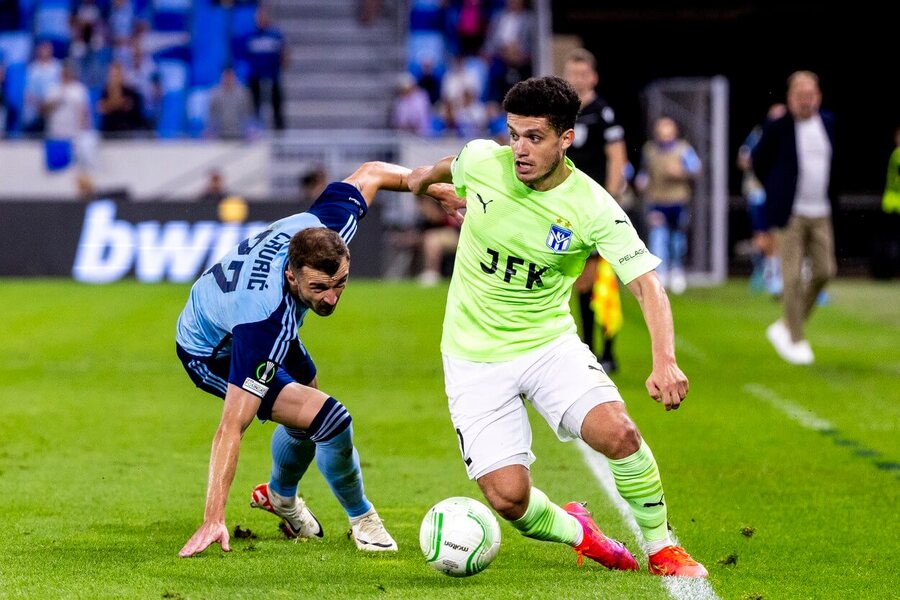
x,y
668,385
208,534
447,198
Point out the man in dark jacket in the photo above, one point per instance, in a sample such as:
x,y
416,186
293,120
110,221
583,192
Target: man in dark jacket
x,y
794,160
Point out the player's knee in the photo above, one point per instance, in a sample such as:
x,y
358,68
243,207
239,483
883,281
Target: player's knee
x,y
508,504
331,420
625,440
508,496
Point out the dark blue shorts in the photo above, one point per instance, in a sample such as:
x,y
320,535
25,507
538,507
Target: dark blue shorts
x,y
677,216
212,373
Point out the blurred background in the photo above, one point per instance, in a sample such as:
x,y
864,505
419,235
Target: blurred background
x,y
150,135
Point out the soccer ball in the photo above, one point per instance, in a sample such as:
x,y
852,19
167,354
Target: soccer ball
x,y
459,537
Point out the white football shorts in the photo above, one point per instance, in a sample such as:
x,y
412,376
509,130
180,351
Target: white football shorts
x,y
487,401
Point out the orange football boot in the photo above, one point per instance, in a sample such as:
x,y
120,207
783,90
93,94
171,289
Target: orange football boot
x,y
674,561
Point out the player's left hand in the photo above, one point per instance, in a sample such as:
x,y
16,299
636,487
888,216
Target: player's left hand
x,y
208,534
668,385
446,196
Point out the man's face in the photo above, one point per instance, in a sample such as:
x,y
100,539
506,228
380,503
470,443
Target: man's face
x,y
804,98
537,149
318,290
582,77
665,131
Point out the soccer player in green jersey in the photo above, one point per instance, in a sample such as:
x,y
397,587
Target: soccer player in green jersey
x,y
532,220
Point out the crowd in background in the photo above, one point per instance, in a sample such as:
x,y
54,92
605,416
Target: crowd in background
x,y
136,67
463,57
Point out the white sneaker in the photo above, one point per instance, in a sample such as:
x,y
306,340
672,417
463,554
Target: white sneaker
x,y
678,282
796,353
804,353
370,535
297,521
429,278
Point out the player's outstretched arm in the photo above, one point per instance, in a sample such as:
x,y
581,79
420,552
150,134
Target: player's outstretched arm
x,y
237,414
423,177
374,176
666,384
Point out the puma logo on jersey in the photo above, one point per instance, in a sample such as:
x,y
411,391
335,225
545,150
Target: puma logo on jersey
x,y
483,203
621,221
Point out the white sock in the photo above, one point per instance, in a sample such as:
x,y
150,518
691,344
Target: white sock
x,y
656,545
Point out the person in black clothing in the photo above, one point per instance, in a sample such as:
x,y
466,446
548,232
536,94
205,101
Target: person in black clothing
x,y
598,150
266,52
120,106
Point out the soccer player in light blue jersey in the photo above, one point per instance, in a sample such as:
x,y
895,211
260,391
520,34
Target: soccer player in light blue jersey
x,y
237,339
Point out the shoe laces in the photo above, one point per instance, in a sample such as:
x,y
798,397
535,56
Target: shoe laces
x,y
293,511
372,529
678,554
579,560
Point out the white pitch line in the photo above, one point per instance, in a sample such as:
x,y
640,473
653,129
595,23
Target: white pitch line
x,y
795,412
680,588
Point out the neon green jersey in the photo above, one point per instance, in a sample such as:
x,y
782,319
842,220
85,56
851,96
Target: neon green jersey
x,y
521,250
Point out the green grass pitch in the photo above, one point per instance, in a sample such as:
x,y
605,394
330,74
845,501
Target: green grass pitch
x,y
104,444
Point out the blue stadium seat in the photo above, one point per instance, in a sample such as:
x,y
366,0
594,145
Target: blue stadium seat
x,y
197,111
209,43
51,23
16,48
173,77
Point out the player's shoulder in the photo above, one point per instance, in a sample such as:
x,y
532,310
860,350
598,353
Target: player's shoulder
x,y
589,195
482,149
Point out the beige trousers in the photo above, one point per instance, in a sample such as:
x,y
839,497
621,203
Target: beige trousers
x,y
804,237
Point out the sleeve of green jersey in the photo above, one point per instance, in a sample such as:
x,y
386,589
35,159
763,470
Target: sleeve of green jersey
x,y
471,154
617,241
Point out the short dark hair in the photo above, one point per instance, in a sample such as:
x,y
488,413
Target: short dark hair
x,y
318,248
551,97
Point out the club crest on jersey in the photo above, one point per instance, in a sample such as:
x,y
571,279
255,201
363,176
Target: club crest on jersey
x,y
559,239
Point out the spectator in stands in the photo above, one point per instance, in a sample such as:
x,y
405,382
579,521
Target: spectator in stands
x,y
669,165
120,106
429,81
68,112
230,107
794,159
89,44
512,25
42,74
458,78
215,190
266,53
312,184
411,110
121,22
439,239
471,26
142,74
509,48
468,117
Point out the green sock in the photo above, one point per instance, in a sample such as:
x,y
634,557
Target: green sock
x,y
638,482
546,521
